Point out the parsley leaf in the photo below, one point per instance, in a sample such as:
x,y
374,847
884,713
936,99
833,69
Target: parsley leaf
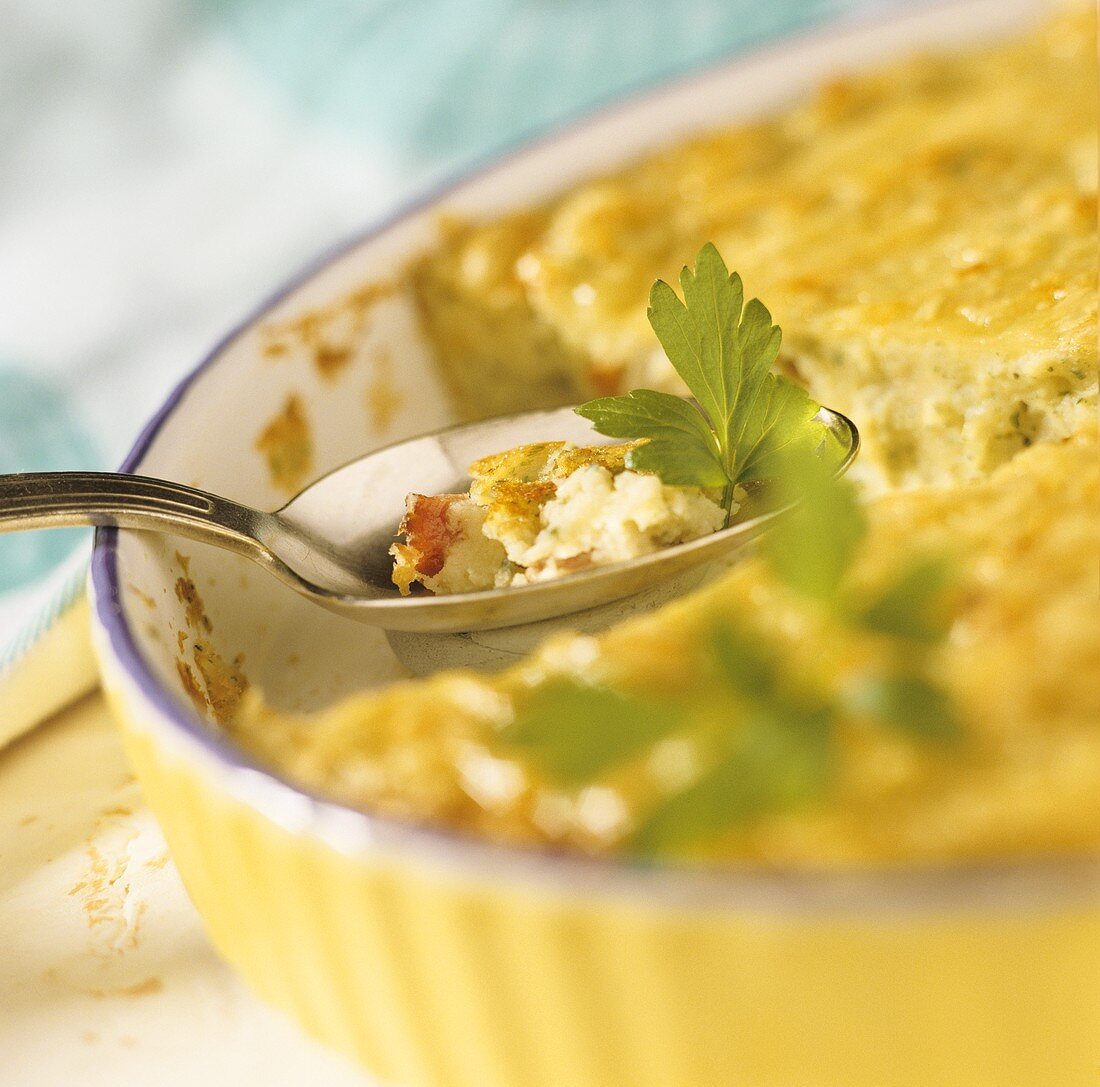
x,y
779,755
574,731
747,666
909,702
723,350
780,760
912,607
812,545
682,449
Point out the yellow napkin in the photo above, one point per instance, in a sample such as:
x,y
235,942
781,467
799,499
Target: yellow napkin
x,y
49,666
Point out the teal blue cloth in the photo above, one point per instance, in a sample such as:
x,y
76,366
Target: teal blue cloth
x,y
447,81
155,188
40,431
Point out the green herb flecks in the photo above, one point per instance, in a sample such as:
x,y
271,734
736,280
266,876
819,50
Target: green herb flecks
x,y
747,417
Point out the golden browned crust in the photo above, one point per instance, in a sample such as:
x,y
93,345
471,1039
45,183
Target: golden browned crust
x,y
925,235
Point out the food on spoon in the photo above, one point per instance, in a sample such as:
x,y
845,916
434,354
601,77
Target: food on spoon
x,y
540,511
553,509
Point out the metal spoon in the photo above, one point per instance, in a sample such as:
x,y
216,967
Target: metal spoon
x,y
331,542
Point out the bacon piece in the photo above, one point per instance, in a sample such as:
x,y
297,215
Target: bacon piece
x,y
429,531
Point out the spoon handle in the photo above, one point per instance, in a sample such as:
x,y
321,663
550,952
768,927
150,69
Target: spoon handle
x,y
63,499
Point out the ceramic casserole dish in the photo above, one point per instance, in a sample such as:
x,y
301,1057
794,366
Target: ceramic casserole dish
x,y
440,961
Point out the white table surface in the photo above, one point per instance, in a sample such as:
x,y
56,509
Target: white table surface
x,y
106,976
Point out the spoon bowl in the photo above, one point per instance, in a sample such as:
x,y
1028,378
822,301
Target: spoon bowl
x,y
331,542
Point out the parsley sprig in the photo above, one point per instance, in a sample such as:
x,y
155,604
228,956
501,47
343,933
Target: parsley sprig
x,y
744,419
772,743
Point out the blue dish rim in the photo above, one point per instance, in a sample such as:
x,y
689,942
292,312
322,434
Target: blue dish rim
x,y
954,885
